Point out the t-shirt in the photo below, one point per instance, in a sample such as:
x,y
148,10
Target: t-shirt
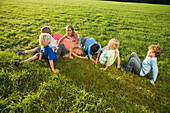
x,y
48,53
66,42
108,53
73,39
150,63
88,44
53,42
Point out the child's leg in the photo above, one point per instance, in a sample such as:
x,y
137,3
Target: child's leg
x,y
134,65
29,51
131,56
61,50
36,56
134,55
37,49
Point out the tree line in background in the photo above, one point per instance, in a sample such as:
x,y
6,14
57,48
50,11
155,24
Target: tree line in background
x,y
145,1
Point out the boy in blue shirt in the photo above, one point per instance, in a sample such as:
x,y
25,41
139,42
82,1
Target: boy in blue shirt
x,y
91,47
149,63
47,51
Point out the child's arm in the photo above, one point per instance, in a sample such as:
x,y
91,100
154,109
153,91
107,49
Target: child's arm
x,y
61,39
52,66
97,59
118,62
154,71
107,64
76,37
86,57
92,59
71,49
40,57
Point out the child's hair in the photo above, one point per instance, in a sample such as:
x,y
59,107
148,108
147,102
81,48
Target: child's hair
x,y
46,29
156,49
82,52
44,39
114,44
94,48
71,27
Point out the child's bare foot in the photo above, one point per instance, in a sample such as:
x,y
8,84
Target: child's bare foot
x,y
153,84
66,55
56,70
120,68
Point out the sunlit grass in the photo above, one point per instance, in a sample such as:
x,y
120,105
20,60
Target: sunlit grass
x,y
81,86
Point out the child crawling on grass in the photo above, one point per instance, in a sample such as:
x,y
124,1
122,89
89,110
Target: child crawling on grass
x,y
150,63
47,51
108,54
91,47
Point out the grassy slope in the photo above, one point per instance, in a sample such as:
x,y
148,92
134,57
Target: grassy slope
x,y
81,86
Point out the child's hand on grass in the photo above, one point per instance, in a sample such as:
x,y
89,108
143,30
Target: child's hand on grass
x,y
86,57
56,70
71,57
43,60
103,68
97,62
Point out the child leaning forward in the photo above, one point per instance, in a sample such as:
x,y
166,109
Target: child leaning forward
x,y
108,54
150,63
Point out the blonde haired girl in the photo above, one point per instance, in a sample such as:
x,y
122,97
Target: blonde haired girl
x,y
108,54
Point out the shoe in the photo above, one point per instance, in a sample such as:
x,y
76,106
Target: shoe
x,y
19,52
124,65
17,62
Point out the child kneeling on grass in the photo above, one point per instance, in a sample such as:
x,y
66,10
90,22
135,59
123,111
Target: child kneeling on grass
x,y
108,54
47,51
150,63
91,47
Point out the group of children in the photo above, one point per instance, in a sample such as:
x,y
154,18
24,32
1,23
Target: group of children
x,y
52,48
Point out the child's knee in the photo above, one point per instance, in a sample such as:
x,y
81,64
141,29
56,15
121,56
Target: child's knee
x,y
133,53
38,49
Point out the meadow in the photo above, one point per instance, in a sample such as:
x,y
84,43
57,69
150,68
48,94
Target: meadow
x,y
81,86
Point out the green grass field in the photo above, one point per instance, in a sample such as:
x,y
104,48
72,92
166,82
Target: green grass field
x,y
81,86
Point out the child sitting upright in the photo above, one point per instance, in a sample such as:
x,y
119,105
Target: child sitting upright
x,y
150,63
52,44
108,54
46,51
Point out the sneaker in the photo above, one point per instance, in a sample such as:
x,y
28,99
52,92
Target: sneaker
x,y
19,52
17,62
